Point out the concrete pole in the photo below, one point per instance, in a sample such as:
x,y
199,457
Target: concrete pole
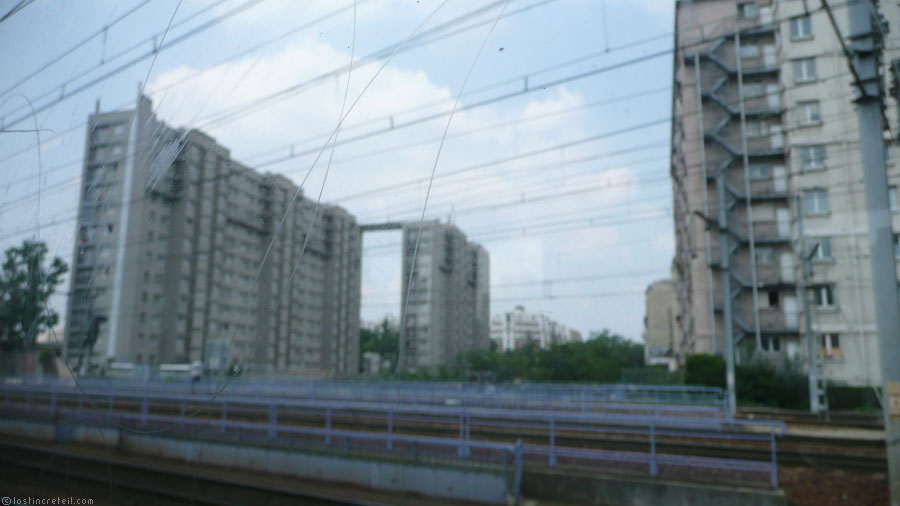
x,y
866,49
807,314
728,324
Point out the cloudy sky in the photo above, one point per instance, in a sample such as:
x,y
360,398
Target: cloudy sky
x,y
555,159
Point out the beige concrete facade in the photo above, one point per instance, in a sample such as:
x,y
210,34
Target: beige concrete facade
x,y
802,157
194,284
446,310
661,324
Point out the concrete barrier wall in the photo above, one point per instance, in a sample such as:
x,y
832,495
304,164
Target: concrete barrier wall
x,y
454,483
457,483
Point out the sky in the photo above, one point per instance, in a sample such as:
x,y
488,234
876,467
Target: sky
x,y
555,155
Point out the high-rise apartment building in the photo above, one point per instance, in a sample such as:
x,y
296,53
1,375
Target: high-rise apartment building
x,y
447,308
766,165
184,252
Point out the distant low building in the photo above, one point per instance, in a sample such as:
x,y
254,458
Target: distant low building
x,y
661,324
372,363
517,329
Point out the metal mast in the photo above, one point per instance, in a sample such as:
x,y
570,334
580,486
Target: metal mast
x,y
865,50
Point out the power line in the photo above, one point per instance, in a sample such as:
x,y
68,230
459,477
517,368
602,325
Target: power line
x,y
73,48
381,54
569,62
503,160
64,95
16,8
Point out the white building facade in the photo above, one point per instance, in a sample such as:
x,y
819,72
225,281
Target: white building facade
x,y
512,330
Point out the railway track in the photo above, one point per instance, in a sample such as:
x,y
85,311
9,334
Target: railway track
x,y
835,419
816,453
128,483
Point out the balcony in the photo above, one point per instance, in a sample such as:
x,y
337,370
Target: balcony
x,y
765,232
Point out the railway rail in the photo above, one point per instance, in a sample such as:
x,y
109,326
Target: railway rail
x,y
120,482
818,453
838,418
307,421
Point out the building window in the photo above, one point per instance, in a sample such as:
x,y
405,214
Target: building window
x,y
752,90
815,201
804,70
749,51
831,345
772,296
823,252
760,171
822,296
801,28
812,157
892,198
808,113
765,256
755,129
772,344
897,245
748,10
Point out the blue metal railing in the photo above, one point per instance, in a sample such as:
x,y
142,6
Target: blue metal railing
x,y
111,404
658,400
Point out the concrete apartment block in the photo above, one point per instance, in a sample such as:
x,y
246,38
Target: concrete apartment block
x,y
446,310
188,268
782,64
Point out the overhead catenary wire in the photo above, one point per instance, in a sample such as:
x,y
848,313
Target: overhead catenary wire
x,y
65,95
395,187
316,80
16,8
547,69
392,188
73,48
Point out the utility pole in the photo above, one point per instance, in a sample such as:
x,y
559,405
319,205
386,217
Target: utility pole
x,y
805,259
726,295
865,49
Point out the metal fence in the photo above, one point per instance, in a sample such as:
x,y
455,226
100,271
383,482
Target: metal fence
x,y
674,400
315,419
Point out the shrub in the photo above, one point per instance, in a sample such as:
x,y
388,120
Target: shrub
x,y
757,385
762,385
846,398
706,370
650,375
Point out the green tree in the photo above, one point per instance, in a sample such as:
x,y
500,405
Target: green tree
x,y
600,359
25,288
